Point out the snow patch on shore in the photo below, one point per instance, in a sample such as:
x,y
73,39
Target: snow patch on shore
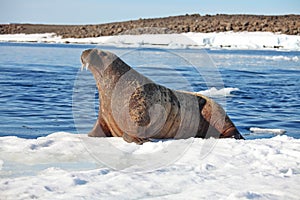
x,y
227,40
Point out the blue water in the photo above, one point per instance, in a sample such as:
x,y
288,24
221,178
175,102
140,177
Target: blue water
x,y
37,82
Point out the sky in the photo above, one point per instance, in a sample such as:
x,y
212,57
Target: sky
x,y
99,11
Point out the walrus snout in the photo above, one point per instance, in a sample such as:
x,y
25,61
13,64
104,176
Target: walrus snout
x,y
84,55
84,59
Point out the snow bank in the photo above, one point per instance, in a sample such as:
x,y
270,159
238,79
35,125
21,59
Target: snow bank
x,y
229,40
60,167
41,37
246,40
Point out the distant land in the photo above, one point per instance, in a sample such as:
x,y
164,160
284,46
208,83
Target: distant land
x,y
285,24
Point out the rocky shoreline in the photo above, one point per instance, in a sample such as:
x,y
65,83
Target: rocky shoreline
x,y
285,24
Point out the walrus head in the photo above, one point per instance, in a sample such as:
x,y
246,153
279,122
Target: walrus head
x,y
97,60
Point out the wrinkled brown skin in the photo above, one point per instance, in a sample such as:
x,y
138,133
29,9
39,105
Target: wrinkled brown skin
x,y
108,69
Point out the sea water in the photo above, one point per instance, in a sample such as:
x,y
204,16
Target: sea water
x,y
37,85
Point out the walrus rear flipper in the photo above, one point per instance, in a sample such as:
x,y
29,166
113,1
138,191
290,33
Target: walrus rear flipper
x,y
232,132
229,130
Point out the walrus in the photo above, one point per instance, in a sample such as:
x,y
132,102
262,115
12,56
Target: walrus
x,y
134,107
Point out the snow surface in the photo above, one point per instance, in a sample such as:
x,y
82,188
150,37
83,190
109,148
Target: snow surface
x,y
228,40
60,166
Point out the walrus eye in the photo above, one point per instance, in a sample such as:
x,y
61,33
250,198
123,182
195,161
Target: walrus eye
x,y
102,53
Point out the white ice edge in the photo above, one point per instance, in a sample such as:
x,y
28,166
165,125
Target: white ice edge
x,y
59,166
267,130
214,92
227,40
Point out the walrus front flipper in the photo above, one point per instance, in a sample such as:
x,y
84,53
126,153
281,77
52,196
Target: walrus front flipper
x,y
136,140
100,129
